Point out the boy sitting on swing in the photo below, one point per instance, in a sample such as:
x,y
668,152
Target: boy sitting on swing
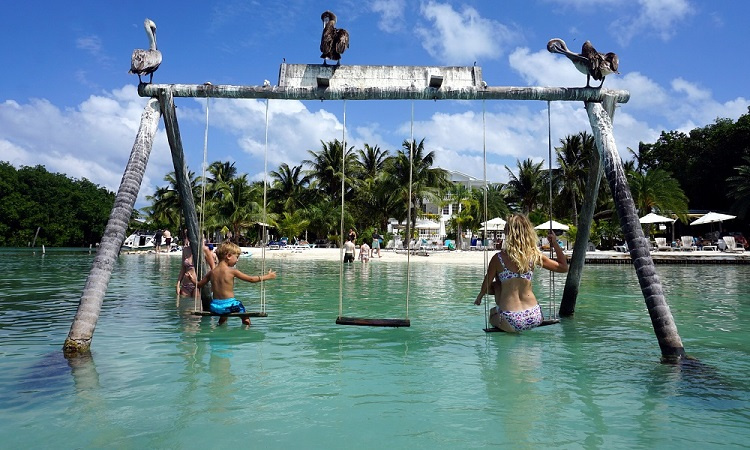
x,y
222,282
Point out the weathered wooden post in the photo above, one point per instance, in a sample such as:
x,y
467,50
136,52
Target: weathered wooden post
x,y
580,247
82,330
184,189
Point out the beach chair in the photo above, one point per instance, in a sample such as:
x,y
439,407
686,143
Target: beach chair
x,y
622,248
732,245
661,244
390,245
688,243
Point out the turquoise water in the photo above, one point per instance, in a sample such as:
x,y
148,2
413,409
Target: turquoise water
x,y
161,378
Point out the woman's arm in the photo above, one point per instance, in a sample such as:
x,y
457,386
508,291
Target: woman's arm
x,y
560,263
486,287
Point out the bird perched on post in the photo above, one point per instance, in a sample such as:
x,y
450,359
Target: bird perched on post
x,y
145,62
334,40
589,62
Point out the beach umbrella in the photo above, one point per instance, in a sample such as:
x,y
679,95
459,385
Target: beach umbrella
x,y
713,217
554,226
496,224
655,218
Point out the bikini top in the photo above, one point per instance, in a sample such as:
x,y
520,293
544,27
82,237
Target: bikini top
x,y
507,274
188,264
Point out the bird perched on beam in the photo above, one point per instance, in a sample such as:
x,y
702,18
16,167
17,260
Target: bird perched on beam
x,y
334,40
589,62
145,62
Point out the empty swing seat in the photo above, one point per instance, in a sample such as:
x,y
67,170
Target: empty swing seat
x,y
373,322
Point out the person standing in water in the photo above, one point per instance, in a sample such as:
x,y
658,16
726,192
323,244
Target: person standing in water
x,y
512,270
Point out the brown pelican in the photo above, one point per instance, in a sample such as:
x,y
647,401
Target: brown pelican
x,y
334,40
590,62
146,61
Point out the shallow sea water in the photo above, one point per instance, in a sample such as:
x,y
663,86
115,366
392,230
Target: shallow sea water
x,y
161,378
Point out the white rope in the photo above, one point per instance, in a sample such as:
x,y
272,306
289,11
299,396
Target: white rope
x,y
552,305
408,208
486,217
265,220
201,222
341,233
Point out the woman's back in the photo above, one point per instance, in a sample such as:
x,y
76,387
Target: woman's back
x,y
515,291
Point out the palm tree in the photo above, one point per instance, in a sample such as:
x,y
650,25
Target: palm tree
x,y
740,188
572,157
289,188
426,181
326,168
656,190
527,189
293,223
81,332
241,205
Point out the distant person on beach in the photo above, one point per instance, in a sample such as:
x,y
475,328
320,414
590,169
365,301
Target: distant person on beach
x,y
512,270
222,282
157,240
376,238
352,235
364,252
167,239
349,250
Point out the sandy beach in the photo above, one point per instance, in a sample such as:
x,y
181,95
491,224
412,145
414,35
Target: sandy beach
x,y
477,257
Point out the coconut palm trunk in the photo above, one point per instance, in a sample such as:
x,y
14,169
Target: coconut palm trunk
x,y
82,330
661,316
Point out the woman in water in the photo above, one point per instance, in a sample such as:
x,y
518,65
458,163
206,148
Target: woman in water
x,y
513,268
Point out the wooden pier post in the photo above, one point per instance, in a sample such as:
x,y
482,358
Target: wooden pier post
x,y
166,99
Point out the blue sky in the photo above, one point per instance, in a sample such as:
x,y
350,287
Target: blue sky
x,y
69,104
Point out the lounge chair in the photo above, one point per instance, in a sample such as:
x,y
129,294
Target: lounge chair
x,y
622,248
661,244
732,245
688,243
390,245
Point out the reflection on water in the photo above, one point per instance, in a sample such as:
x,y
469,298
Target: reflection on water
x,y
160,377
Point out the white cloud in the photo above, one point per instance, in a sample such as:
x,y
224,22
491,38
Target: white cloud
x,y
657,17
391,14
462,37
92,141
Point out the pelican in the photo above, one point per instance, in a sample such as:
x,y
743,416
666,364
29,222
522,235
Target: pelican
x,y
589,62
146,61
334,40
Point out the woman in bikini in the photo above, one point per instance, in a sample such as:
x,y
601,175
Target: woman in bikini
x,y
188,277
511,270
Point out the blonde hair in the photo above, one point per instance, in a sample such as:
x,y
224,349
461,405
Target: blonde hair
x,y
520,242
227,248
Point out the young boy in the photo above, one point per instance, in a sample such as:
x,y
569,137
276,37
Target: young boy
x,y
222,282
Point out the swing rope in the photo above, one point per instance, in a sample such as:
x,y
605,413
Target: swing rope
x,y
202,217
341,225
265,219
552,303
357,320
484,209
409,207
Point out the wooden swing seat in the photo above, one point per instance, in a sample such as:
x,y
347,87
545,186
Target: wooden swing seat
x,y
373,322
544,323
244,315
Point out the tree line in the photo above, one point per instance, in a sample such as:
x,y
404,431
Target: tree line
x,y
66,212
707,168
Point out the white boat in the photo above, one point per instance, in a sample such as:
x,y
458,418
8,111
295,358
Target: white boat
x,y
140,240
